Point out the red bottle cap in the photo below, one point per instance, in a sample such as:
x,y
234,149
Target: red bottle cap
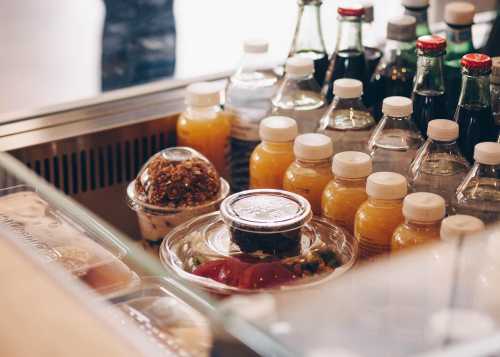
x,y
476,61
351,10
432,43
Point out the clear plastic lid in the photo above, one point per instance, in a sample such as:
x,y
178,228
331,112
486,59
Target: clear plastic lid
x,y
92,259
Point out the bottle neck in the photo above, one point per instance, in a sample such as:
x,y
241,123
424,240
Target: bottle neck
x,y
314,163
459,40
286,146
420,15
349,34
485,171
308,35
203,112
355,182
429,77
475,90
414,224
385,202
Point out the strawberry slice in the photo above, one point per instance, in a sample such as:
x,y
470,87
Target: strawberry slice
x,y
226,271
265,275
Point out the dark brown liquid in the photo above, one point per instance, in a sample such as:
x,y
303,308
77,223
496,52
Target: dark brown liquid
x,y
427,106
344,64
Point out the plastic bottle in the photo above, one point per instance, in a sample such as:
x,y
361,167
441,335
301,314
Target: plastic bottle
x,y
248,99
495,93
423,212
371,43
474,115
381,214
202,119
311,171
272,157
429,98
395,72
459,17
479,194
418,9
459,226
348,60
395,141
439,167
347,190
308,37
299,96
347,122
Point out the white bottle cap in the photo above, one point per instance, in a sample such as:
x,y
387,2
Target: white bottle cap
x,y
278,129
313,147
487,153
203,94
442,130
397,106
459,13
347,88
460,225
298,66
255,45
386,185
352,164
424,207
415,3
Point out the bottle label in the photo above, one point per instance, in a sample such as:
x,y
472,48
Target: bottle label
x,y
245,123
368,248
459,35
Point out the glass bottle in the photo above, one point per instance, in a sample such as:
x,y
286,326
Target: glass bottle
x,y
272,157
347,190
371,44
395,141
347,122
479,193
204,118
459,17
308,37
439,167
429,99
418,9
248,99
378,217
474,115
311,171
460,225
423,212
299,96
395,72
348,60
495,93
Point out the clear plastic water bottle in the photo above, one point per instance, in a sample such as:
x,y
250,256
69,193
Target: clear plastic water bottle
x,y
396,139
248,99
347,121
479,194
299,96
439,167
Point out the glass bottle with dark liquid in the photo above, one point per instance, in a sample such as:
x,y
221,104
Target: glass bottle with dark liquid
x,y
474,115
371,44
395,72
459,17
418,9
348,60
429,99
308,38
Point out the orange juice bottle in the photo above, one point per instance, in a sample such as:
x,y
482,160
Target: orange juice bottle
x,y
423,212
311,171
381,214
347,191
274,154
204,126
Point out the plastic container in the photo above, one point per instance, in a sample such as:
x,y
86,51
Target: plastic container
x,y
423,212
160,208
460,225
272,157
57,240
261,240
168,322
347,190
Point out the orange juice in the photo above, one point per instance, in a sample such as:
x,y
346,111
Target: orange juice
x,y
311,171
273,156
423,212
347,191
381,214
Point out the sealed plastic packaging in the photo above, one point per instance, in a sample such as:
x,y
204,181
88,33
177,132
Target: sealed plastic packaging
x,y
95,261
261,239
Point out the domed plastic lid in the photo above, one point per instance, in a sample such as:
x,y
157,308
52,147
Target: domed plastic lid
x,y
203,94
487,153
352,164
313,146
386,185
402,28
431,43
397,107
442,130
460,225
347,88
278,129
476,61
424,207
415,3
459,13
348,9
298,66
265,211
255,45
